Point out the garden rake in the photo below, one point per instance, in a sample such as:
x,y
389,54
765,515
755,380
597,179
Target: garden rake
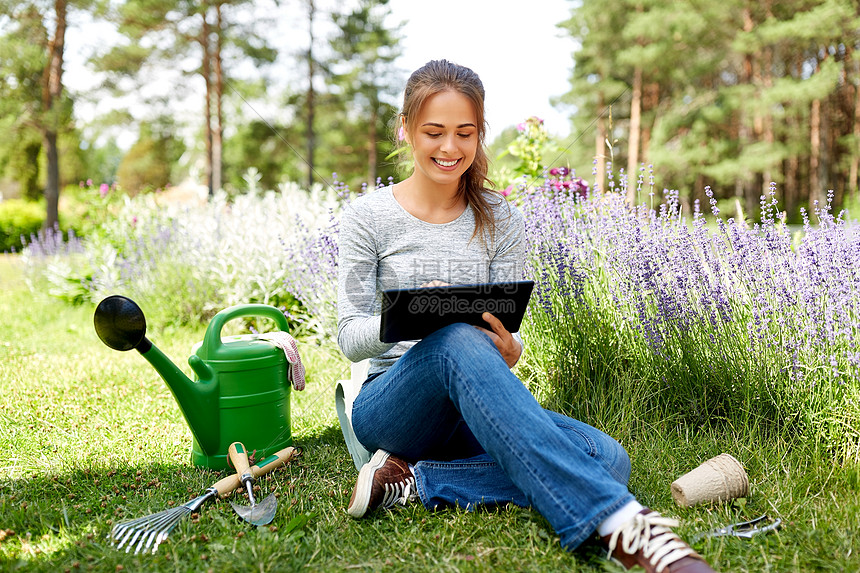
x,y
147,533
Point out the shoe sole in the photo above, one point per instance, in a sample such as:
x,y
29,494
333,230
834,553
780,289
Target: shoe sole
x,y
364,484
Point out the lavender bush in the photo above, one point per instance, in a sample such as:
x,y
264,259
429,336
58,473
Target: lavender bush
x,y
747,326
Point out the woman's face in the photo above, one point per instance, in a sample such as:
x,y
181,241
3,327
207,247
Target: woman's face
x,y
444,138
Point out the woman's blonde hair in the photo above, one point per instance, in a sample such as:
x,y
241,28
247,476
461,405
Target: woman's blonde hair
x,y
438,76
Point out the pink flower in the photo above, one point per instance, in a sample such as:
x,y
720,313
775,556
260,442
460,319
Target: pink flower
x,y
104,188
507,190
521,127
89,182
401,135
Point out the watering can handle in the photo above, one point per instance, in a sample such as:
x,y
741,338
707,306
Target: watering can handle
x,y
276,460
212,338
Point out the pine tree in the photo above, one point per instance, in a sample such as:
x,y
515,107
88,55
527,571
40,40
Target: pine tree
x,y
175,30
362,68
31,91
734,94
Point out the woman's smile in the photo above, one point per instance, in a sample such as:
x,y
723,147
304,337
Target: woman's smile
x,y
446,164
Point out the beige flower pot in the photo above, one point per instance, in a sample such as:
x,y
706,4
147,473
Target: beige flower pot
x,y
718,479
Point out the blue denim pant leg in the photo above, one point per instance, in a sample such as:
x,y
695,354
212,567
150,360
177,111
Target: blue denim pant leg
x,y
445,482
453,397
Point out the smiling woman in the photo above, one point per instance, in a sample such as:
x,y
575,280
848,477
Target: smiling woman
x,y
449,422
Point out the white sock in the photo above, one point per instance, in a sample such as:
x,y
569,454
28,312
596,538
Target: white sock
x,y
619,518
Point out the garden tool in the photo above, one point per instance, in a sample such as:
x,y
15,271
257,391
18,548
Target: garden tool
x,y
148,532
256,514
241,389
745,529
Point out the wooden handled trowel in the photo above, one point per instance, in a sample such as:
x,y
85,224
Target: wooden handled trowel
x,y
258,513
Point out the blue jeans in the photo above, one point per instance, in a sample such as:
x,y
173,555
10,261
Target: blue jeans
x,y
476,435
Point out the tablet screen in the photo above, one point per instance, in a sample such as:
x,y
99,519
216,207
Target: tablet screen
x,y
412,314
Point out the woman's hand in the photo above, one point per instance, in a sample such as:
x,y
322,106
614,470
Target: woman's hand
x,y
504,341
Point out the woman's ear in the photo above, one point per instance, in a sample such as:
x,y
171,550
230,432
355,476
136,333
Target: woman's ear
x,y
403,133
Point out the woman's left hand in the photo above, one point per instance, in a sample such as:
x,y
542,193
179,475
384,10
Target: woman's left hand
x,y
507,345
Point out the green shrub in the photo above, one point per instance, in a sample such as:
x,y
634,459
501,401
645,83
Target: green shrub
x,y
18,217
147,165
86,207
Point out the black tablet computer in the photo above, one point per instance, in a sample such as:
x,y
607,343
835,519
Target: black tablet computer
x,y
412,314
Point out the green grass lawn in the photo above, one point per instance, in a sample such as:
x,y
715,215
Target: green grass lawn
x,y
92,437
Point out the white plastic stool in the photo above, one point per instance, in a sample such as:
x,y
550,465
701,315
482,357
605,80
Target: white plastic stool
x,y
344,395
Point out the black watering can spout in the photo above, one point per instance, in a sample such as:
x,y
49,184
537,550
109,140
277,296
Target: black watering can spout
x,y
120,324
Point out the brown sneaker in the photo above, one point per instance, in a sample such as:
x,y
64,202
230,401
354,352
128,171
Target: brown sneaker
x,y
384,481
647,541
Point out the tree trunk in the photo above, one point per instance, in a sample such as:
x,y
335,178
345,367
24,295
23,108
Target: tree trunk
x,y
798,138
52,183
633,143
371,142
217,129
814,154
853,183
600,148
792,186
206,70
52,90
767,78
829,147
309,128
743,186
650,101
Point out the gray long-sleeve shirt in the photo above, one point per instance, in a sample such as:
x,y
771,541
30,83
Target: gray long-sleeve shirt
x,y
381,246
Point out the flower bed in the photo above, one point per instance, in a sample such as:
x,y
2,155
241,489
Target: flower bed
x,y
713,323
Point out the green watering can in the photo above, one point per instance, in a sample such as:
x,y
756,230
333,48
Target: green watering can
x,y
241,392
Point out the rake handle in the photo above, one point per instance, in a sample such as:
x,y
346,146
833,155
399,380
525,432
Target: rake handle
x,y
276,460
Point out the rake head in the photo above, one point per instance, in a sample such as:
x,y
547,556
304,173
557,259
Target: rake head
x,y
146,533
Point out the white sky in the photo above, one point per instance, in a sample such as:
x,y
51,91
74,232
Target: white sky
x,y
516,48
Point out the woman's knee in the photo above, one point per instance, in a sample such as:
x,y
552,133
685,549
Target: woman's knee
x,y
615,457
458,343
621,463
456,335
598,444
